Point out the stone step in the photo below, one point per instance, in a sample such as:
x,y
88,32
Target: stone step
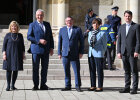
x,y
56,66
55,56
59,74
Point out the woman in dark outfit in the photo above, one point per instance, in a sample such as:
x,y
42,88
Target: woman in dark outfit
x,y
13,54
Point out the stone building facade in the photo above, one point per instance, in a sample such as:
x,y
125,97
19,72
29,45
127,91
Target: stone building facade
x,y
57,10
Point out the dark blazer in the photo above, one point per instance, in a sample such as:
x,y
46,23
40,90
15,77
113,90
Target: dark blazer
x,y
65,44
35,33
131,42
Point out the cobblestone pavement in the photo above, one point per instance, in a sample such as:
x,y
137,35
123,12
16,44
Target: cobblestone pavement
x,y
24,92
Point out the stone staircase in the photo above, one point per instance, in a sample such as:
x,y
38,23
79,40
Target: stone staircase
x,y
55,70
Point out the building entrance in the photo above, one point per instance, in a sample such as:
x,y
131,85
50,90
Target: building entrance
x,y
19,10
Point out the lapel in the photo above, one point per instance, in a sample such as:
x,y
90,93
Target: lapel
x,y
124,30
66,32
45,27
38,26
72,33
132,24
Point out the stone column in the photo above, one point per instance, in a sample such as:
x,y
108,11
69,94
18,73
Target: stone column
x,y
34,9
134,8
63,12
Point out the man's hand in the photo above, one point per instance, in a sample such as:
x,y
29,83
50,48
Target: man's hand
x,y
119,55
59,56
24,57
87,30
80,56
42,41
51,51
114,42
135,55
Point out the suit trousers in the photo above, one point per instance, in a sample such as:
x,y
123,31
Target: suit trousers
x,y
130,66
44,68
76,67
93,64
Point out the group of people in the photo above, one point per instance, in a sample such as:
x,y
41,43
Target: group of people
x,y
101,39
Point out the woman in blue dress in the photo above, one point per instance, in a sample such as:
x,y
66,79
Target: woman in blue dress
x,y
13,54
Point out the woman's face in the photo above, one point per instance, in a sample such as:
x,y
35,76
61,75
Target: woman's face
x,y
95,26
14,28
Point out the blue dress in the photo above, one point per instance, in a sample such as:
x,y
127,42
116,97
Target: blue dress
x,y
13,44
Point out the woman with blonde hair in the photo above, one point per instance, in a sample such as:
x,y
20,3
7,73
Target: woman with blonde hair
x,y
13,54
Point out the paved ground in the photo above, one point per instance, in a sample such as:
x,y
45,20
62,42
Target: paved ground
x,y
24,92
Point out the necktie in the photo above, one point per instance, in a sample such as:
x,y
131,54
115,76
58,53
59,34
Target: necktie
x,y
69,32
41,25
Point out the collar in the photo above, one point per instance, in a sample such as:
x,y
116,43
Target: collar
x,y
114,15
69,27
128,24
39,22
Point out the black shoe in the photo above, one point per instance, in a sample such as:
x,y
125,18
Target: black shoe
x,y
8,89
35,88
112,69
78,89
92,89
125,91
66,89
44,87
13,88
105,68
133,92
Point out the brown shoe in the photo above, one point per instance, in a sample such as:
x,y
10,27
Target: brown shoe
x,y
99,90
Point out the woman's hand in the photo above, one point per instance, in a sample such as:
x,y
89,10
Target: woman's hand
x,y
4,55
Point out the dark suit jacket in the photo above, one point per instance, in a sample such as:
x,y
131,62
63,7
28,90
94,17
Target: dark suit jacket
x,y
66,45
35,33
131,42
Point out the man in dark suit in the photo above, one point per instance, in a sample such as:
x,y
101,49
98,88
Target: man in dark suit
x,y
127,49
71,48
40,35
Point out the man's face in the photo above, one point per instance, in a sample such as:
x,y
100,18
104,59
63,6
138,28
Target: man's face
x,y
91,13
114,12
39,16
69,22
127,18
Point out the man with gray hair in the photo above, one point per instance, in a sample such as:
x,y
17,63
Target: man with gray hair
x,y
42,44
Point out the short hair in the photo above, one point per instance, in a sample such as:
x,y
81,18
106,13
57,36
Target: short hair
x,y
97,20
14,23
41,10
106,21
128,12
89,10
69,17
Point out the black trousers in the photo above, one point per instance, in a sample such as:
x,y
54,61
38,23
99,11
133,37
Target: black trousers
x,y
113,53
109,58
13,75
96,63
130,66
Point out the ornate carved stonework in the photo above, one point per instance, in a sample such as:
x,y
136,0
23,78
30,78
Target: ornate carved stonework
x,y
78,8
